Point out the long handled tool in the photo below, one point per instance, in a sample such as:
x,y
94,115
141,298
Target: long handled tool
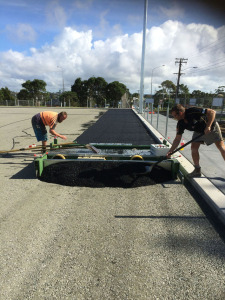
x,y
149,169
37,147
88,146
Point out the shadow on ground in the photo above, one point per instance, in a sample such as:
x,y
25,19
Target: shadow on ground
x,y
26,173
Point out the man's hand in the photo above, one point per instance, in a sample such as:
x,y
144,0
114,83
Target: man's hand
x,y
207,130
175,144
63,137
53,132
168,155
211,114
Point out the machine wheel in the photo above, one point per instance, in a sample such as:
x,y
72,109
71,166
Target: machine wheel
x,y
58,156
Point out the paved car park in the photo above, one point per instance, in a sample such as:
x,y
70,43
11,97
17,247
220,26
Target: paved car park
x,y
60,242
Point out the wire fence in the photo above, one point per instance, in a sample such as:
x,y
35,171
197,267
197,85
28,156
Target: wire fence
x,y
152,115
29,103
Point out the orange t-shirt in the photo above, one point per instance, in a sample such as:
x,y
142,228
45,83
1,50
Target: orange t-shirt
x,y
49,118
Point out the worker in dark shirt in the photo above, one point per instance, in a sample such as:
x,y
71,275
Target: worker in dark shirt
x,y
199,120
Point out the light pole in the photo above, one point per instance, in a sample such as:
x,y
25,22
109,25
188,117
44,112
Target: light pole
x,y
143,58
62,77
152,75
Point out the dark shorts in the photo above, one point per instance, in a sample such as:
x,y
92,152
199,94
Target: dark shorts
x,y
214,136
39,129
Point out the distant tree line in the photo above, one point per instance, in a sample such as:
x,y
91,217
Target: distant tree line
x,y
92,92
97,92
167,94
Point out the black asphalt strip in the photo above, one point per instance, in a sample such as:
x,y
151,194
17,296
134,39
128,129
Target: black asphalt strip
x,y
103,174
118,126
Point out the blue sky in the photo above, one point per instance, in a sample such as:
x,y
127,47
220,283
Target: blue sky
x,y
38,36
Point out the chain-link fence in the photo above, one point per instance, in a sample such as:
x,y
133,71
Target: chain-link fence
x,y
216,103
17,102
29,103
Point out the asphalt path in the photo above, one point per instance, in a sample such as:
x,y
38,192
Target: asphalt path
x,y
60,242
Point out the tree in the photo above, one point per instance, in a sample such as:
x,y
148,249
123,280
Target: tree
x,y
135,95
1,97
114,91
92,90
23,95
6,95
96,90
77,86
34,89
168,91
70,98
166,94
184,89
199,95
80,88
168,86
183,94
220,91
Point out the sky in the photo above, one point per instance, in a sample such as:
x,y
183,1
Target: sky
x,y
60,40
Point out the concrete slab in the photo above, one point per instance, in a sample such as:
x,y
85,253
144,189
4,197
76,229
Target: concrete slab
x,y
214,196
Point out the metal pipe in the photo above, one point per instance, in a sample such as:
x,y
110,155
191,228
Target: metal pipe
x,y
157,118
167,118
151,112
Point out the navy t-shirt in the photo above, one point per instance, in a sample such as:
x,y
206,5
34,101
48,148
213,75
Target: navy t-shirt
x,y
196,120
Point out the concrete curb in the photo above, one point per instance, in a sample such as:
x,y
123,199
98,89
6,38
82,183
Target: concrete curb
x,y
214,197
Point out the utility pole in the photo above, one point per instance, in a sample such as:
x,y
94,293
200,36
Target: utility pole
x,y
180,61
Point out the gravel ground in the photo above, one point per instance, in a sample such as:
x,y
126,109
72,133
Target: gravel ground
x,y
66,242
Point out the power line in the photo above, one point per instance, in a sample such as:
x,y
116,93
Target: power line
x,y
209,47
213,67
209,65
216,42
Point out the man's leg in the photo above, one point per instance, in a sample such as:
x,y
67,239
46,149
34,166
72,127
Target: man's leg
x,y
196,157
195,153
221,146
44,144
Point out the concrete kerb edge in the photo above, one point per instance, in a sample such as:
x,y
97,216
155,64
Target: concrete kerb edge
x,y
214,197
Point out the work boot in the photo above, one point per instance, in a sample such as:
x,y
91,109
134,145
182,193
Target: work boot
x,y
195,173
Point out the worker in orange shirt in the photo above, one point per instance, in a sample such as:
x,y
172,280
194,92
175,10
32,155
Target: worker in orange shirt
x,y
47,118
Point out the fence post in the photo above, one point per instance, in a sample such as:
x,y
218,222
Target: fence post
x,y
221,113
151,112
167,118
157,118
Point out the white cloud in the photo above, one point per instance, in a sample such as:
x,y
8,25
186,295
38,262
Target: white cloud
x,y
21,33
119,58
173,12
79,4
56,14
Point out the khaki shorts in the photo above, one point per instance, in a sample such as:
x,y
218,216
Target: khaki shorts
x,y
214,136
